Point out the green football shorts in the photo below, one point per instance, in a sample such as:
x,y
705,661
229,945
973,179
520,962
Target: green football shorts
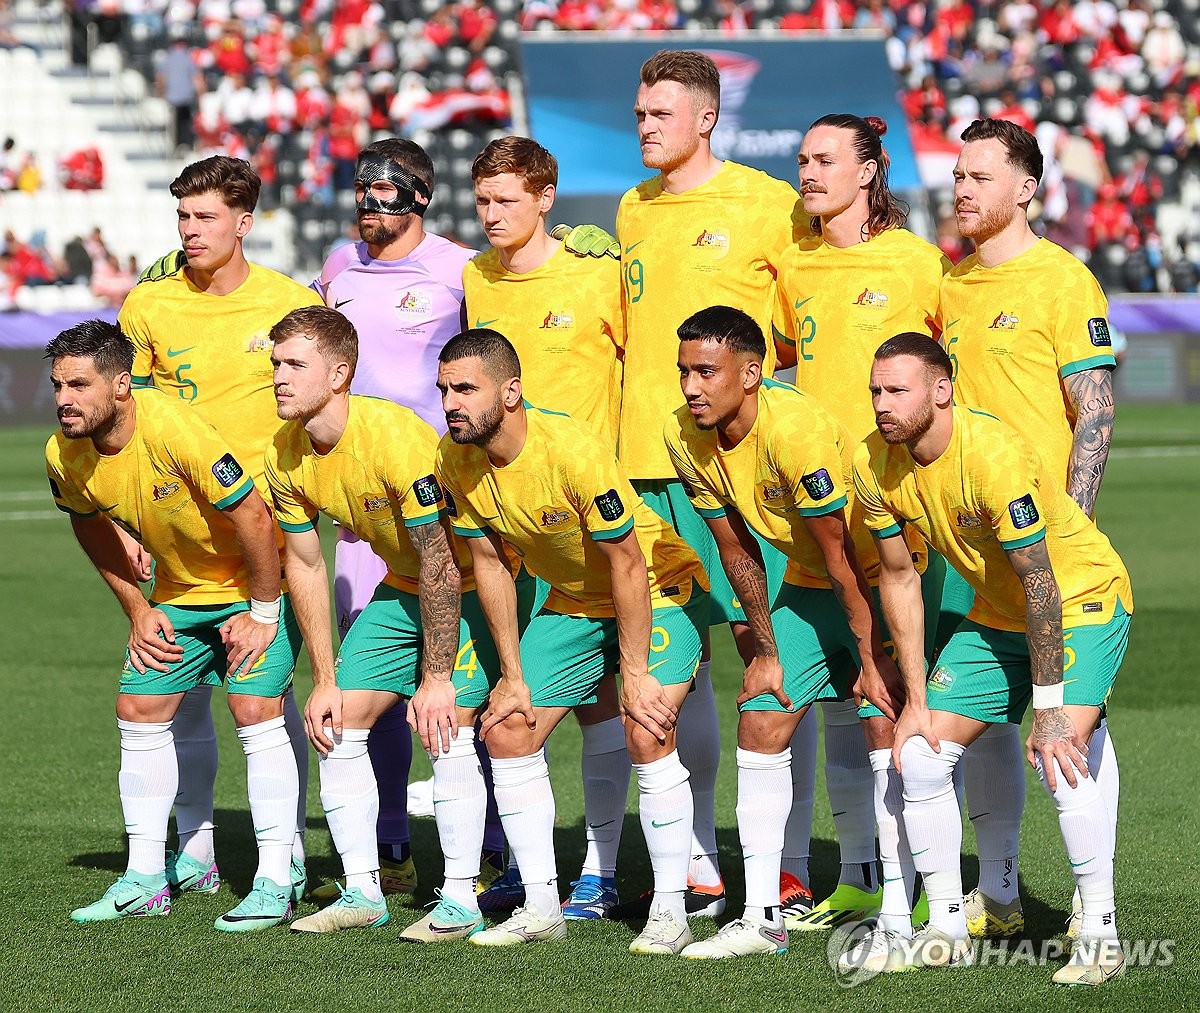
x,y
198,632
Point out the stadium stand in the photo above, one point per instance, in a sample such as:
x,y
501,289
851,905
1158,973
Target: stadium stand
x,y
297,86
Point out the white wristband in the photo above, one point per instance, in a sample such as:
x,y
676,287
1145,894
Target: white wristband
x,y
265,612
1047,697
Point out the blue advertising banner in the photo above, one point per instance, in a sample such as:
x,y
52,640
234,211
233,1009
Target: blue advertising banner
x,y
580,93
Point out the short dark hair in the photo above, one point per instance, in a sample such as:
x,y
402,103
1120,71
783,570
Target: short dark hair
x,y
234,179
409,155
492,347
694,71
1019,143
103,342
919,346
726,326
522,157
332,331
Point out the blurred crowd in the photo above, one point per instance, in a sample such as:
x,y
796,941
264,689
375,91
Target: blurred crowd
x,y
85,260
1111,87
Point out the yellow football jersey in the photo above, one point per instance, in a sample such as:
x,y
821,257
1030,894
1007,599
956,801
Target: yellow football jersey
x,y
794,463
990,492
562,494
167,487
213,352
837,306
377,480
718,244
1015,331
564,319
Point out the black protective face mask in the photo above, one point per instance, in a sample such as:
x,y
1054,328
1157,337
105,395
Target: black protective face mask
x,y
373,169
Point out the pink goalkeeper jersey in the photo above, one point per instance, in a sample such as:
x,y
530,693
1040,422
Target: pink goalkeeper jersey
x,y
404,312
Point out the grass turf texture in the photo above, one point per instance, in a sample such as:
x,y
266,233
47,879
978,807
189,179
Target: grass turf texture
x,y
61,842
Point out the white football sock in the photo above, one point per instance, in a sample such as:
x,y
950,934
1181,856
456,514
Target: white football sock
x,y
196,752
1087,833
851,788
797,834
665,808
899,876
459,807
606,768
994,778
271,785
350,798
298,737
933,822
1102,763
526,804
763,800
148,780
699,744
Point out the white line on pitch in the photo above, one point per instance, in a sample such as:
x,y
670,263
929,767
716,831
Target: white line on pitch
x,y
1184,451
30,515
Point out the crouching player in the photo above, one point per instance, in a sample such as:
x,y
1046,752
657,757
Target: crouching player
x,y
624,589
1050,594
368,464
758,456
155,467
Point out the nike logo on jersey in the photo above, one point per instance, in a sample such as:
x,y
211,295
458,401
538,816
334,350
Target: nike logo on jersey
x,y
630,249
801,302
484,323
338,304
172,352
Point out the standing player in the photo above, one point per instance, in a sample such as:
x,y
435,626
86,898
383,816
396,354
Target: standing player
x,y
564,315
200,334
1051,596
858,277
758,456
623,589
701,231
158,470
368,464
1027,331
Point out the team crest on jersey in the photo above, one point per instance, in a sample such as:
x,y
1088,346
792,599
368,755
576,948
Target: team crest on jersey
x,y
610,505
260,341
1098,332
557,321
414,304
555,519
818,485
373,503
227,471
941,680
708,238
1004,322
966,521
164,490
868,298
774,492
1023,511
427,490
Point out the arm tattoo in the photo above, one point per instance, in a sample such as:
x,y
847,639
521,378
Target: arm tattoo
x,y
1043,612
749,582
1091,395
440,593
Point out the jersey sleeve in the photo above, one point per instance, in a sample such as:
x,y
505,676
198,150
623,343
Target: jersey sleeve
x,y
704,499
463,519
784,226
808,457
134,328
206,461
881,522
930,298
413,481
1082,339
292,511
614,311
601,494
1012,497
67,498
783,319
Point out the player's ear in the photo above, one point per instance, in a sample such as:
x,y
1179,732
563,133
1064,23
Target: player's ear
x,y
943,392
1029,187
513,393
546,201
867,172
245,221
341,376
122,385
751,374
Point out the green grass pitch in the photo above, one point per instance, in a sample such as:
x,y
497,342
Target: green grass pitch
x,y
61,842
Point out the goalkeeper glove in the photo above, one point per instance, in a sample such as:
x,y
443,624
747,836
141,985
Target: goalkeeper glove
x,y
166,266
587,241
